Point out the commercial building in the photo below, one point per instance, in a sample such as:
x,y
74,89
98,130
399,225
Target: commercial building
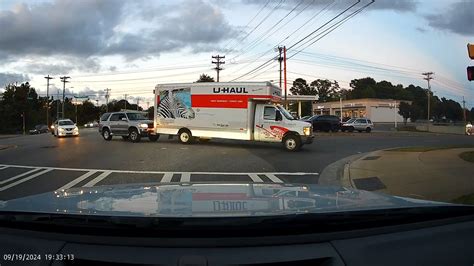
x,y
377,110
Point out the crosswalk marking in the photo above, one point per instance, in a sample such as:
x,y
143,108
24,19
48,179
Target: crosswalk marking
x,y
25,179
77,180
185,177
274,178
167,177
98,179
3,167
18,176
255,178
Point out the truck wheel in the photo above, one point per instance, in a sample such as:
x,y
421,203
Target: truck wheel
x,y
292,142
133,135
185,136
125,137
368,130
106,134
153,138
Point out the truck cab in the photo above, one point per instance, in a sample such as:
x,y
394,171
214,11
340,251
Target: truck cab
x,y
275,124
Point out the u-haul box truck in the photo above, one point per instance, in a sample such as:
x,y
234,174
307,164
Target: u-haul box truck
x,y
241,111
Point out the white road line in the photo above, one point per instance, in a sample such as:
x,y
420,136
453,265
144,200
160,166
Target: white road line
x,y
255,178
3,167
185,177
167,178
77,180
98,179
25,179
18,176
274,178
161,172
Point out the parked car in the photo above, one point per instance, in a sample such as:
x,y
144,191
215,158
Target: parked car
x,y
325,123
359,124
39,129
128,125
65,127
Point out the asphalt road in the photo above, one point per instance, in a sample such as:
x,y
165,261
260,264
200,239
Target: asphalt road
x,y
41,163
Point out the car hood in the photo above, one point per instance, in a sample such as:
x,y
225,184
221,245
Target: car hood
x,y
207,200
67,126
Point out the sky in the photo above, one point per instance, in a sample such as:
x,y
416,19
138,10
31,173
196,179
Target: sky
x,y
130,46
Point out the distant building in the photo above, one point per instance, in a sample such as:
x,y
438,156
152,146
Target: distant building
x,y
377,110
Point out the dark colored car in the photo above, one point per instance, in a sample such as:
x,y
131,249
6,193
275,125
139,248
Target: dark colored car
x,y
39,129
325,123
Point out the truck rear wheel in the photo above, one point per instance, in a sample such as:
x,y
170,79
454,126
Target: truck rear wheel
x,y
185,136
292,142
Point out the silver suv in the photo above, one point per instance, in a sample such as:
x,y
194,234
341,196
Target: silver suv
x,y
127,124
359,124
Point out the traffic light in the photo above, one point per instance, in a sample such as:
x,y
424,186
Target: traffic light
x,y
470,73
470,50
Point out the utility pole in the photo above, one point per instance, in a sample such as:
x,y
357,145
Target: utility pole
x,y
107,95
64,81
280,59
464,109
47,99
57,105
428,78
284,72
125,96
218,64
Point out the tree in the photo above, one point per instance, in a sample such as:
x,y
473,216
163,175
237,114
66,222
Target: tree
x,y
404,110
301,87
325,89
205,78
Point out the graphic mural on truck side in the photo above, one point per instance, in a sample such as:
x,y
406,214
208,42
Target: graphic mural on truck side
x,y
274,132
176,105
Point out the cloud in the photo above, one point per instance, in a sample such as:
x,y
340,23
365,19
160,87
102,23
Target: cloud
x,y
394,5
7,78
457,18
95,28
420,29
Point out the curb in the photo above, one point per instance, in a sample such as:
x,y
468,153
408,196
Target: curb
x,y
337,173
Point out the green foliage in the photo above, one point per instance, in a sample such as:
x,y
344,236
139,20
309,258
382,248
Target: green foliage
x,y
205,78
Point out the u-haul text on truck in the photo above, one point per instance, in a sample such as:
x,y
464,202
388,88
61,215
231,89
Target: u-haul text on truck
x,y
241,111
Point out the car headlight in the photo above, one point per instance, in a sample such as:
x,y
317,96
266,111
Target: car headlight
x,y
61,129
52,126
307,131
143,125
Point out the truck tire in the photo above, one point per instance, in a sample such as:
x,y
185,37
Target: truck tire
x,y
106,134
153,138
292,142
133,135
185,136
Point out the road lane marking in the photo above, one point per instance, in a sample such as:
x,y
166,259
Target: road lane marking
x,y
185,177
167,178
161,172
98,179
255,178
274,178
3,167
25,179
18,176
77,180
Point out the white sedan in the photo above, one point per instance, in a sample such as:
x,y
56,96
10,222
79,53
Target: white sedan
x,y
65,127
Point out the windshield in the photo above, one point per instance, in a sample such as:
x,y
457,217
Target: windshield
x,y
191,107
66,123
285,113
136,116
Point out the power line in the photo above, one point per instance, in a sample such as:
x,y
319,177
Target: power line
x,y
428,77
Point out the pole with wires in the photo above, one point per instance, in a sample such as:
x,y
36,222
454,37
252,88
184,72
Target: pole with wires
x,y
64,81
284,72
218,63
428,77
107,95
47,99
280,60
